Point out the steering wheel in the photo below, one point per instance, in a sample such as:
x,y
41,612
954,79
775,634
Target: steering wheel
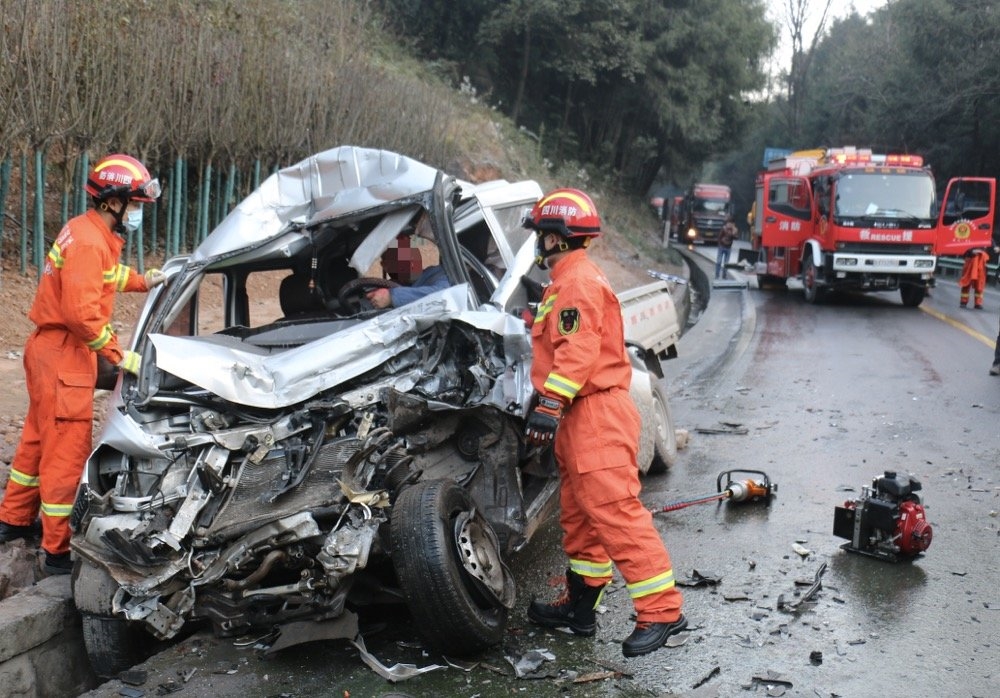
x,y
352,294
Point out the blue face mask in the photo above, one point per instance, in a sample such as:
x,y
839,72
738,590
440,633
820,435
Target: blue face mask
x,y
133,219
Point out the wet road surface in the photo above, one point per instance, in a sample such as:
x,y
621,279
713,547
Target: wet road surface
x,y
823,399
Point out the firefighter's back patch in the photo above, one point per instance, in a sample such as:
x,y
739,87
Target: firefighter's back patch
x,y
569,320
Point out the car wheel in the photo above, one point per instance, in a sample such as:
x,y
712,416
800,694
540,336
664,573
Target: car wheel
x,y
113,644
448,562
665,434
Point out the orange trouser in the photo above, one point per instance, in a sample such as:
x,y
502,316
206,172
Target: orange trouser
x,y
973,278
56,438
602,519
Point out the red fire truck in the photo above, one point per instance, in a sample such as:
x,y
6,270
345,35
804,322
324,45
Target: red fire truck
x,y
847,218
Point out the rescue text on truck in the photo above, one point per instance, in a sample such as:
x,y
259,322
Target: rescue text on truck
x,y
849,219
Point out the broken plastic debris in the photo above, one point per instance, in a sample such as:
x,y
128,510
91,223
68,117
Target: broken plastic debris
x,y
801,550
528,663
460,665
772,677
699,579
716,670
677,640
397,672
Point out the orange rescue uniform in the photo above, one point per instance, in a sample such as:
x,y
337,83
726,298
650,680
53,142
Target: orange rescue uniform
x,y
974,277
579,357
72,313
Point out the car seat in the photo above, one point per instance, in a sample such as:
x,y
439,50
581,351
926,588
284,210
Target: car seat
x,y
297,298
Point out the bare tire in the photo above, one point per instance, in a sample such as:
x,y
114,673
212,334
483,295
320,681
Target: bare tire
x,y
664,433
810,285
113,644
450,609
912,295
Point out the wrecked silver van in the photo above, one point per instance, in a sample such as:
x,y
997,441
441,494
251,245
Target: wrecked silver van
x,y
277,463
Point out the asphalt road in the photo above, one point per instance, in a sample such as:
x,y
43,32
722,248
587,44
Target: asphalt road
x,y
820,398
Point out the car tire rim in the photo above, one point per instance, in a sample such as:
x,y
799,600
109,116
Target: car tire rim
x,y
479,552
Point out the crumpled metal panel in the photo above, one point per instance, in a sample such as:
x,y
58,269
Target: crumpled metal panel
x,y
335,182
288,378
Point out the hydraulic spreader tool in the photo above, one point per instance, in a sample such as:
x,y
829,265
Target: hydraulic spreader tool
x,y
734,490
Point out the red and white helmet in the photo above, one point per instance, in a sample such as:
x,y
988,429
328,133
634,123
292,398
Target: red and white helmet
x,y
122,177
569,212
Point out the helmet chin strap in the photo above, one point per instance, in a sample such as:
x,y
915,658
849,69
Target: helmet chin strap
x,y
119,227
542,255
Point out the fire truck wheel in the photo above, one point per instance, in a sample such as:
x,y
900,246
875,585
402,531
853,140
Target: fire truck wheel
x,y
810,287
912,295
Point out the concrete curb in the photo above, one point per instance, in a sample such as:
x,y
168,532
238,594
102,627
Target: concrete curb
x,y
41,643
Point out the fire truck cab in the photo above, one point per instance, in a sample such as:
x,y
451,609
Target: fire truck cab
x,y
847,218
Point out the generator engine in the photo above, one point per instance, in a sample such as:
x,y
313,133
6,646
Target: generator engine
x,y
887,521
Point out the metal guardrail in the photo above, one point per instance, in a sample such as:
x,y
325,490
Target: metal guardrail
x,y
954,264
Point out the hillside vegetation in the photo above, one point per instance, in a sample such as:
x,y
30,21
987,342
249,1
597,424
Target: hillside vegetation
x,y
214,95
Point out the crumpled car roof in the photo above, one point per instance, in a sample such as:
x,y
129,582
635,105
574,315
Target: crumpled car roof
x,y
326,185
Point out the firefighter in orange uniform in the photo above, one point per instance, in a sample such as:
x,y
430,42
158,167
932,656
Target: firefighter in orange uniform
x,y
72,313
973,277
581,373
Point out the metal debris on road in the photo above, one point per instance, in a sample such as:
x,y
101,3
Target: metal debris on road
x,y
724,428
395,673
807,595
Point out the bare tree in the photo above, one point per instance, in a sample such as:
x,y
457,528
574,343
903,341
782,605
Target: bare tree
x,y
797,16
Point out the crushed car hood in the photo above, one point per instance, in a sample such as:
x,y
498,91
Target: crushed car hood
x,y
280,380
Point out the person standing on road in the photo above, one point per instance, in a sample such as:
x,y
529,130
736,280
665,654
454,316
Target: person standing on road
x,y
72,314
581,374
726,237
973,279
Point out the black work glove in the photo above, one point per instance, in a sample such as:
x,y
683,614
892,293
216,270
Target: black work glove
x,y
543,421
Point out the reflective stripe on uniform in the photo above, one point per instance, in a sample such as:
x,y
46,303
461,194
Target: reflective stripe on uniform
x,y
23,479
653,585
57,510
545,307
118,276
55,254
102,339
586,568
561,385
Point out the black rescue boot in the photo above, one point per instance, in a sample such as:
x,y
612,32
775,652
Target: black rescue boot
x,y
9,532
57,563
648,637
574,609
